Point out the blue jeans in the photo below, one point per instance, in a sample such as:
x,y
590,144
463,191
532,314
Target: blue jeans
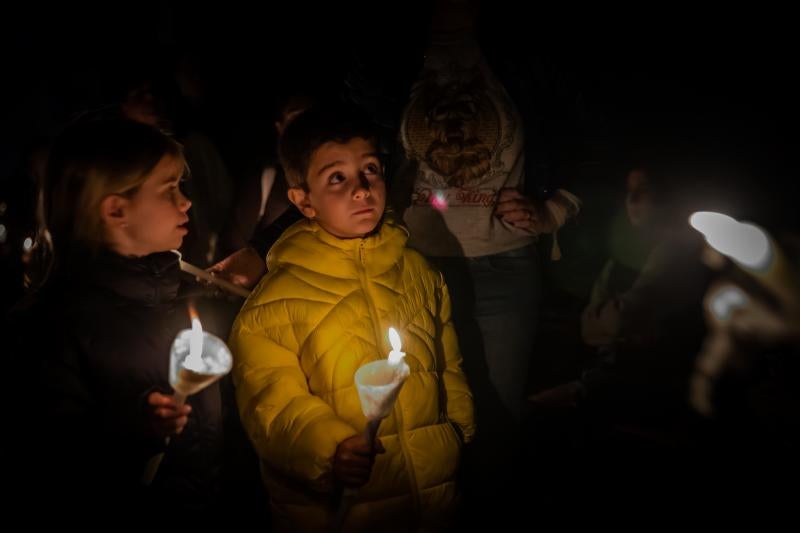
x,y
495,309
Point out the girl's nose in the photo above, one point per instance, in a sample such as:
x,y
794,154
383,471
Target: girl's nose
x,y
184,203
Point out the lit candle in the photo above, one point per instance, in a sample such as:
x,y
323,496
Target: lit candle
x,y
753,250
378,384
395,356
197,359
732,313
194,361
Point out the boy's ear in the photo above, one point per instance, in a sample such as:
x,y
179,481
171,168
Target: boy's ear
x,y
114,210
299,197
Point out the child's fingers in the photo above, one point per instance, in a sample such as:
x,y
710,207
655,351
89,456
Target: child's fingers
x,y
222,269
183,410
353,476
172,411
171,426
356,445
379,446
156,399
174,424
356,461
355,471
180,423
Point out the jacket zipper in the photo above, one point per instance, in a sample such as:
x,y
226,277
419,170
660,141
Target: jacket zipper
x,y
398,411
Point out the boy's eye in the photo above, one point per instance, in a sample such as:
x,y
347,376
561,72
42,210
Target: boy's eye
x,y
372,168
336,178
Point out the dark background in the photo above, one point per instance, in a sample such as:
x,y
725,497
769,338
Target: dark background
x,y
723,74
710,84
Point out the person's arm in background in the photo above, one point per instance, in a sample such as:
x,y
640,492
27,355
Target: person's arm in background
x,y
264,237
248,265
557,125
243,217
522,211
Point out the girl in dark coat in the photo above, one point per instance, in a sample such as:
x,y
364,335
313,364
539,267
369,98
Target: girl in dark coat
x,y
98,336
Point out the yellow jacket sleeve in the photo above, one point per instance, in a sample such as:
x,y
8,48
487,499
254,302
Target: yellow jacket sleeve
x,y
294,431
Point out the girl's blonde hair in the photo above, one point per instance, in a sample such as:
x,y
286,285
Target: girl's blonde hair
x,y
89,162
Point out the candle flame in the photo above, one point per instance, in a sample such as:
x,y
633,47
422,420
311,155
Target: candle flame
x,y
195,361
395,356
394,340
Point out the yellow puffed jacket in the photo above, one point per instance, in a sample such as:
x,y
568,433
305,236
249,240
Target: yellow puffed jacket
x,y
321,312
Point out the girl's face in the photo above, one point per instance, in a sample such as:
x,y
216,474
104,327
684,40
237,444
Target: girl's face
x,y
156,214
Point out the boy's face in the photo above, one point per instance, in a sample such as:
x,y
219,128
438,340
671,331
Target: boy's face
x,y
156,214
346,192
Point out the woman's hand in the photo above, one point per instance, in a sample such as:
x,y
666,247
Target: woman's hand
x,y
516,209
244,267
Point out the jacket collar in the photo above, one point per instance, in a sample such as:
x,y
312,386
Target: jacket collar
x,y
307,245
151,280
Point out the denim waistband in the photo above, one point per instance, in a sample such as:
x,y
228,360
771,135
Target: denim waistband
x,y
524,251
528,250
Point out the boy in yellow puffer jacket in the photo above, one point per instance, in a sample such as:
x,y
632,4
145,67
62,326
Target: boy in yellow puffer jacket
x,y
336,282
